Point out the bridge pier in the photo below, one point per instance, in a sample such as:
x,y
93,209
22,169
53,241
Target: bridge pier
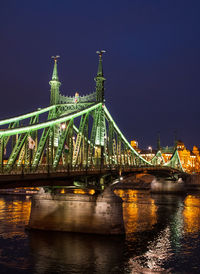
x,y
167,185
84,213
193,182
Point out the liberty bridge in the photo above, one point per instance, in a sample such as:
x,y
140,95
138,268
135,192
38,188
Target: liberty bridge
x,y
74,138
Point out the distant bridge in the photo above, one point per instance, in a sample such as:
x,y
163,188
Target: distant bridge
x,y
72,138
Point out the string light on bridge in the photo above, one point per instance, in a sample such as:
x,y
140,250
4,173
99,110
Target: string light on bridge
x,y
63,126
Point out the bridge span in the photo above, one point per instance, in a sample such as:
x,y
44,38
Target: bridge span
x,y
73,139
67,177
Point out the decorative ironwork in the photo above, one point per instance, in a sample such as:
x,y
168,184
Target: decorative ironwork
x,y
73,133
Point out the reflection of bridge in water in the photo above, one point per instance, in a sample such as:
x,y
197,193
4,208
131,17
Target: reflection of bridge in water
x,y
159,227
156,225
75,137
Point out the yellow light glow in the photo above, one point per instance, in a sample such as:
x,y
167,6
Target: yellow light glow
x,y
91,191
191,214
138,216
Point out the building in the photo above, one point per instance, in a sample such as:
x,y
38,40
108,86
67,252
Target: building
x,y
134,144
167,152
190,160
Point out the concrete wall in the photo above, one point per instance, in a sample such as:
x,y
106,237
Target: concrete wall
x,y
193,182
164,185
100,214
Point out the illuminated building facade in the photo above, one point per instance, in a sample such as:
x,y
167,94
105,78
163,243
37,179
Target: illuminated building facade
x,y
148,154
134,144
190,160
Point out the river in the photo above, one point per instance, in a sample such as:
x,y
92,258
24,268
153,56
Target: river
x,y
162,236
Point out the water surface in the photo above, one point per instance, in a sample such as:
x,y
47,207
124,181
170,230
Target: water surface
x,y
163,236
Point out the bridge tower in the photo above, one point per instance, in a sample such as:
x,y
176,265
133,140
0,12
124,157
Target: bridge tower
x,y
54,100
99,79
101,130
158,142
55,84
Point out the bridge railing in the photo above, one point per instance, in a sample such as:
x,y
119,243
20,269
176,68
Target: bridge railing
x,y
70,170
45,169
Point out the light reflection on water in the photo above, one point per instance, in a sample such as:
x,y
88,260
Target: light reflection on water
x,y
191,214
14,214
139,210
163,235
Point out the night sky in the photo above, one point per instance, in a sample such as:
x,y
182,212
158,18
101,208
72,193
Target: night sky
x,y
151,65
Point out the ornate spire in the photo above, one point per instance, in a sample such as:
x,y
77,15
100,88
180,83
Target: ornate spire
x,y
100,68
55,72
54,83
175,139
158,141
100,79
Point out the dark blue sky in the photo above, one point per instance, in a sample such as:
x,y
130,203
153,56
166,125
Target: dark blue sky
x,y
152,63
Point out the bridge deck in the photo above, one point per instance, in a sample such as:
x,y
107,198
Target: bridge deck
x,y
65,177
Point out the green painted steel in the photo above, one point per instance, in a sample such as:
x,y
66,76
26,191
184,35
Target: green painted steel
x,y
124,139
6,139
26,116
158,159
61,143
78,132
110,142
93,133
85,99
100,80
18,146
175,162
101,129
21,156
46,124
15,152
79,139
40,148
1,153
55,85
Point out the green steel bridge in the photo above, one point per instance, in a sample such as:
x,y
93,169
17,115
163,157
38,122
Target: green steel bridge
x,y
73,137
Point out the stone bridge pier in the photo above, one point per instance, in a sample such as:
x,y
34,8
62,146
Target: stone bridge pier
x,y
99,213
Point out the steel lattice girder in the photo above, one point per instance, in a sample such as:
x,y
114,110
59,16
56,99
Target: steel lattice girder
x,y
124,139
61,144
49,123
175,162
99,113
26,116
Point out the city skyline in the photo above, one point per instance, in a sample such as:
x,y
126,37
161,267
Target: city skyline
x,y
151,65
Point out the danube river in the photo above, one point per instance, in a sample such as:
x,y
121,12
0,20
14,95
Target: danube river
x,y
163,235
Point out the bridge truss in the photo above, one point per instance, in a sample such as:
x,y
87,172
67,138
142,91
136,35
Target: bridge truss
x,y
73,133
87,138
